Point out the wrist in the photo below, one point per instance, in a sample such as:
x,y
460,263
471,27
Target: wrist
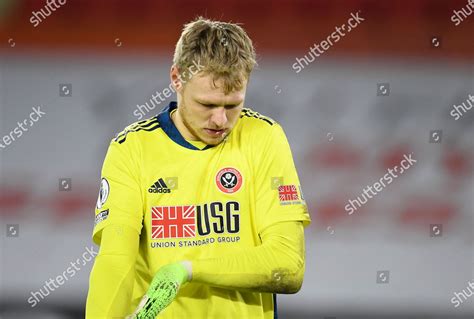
x,y
189,269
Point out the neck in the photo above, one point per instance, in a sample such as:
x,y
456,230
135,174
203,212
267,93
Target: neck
x,y
178,122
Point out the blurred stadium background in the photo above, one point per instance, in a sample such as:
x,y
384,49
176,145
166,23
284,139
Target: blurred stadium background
x,y
90,63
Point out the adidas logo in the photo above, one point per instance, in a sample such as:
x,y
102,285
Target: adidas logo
x,y
159,187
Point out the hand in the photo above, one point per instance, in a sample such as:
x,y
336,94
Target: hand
x,y
162,291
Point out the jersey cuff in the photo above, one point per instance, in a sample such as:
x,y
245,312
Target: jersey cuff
x,y
288,217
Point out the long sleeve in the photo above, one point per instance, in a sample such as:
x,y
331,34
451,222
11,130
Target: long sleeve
x,y
276,266
112,276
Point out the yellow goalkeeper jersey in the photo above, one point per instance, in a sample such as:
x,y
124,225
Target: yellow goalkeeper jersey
x,y
190,201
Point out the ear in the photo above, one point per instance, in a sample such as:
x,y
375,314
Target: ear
x,y
176,78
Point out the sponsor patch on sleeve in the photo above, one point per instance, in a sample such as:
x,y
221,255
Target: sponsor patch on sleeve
x,y
103,193
101,216
288,195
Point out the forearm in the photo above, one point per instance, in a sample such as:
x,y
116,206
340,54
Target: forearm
x,y
112,276
115,300
276,266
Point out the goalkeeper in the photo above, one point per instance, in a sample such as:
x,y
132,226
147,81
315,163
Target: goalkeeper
x,y
200,212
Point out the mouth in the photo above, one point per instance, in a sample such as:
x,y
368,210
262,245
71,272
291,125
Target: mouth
x,y
215,133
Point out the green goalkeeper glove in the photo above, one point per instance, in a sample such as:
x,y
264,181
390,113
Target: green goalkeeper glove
x,y
162,291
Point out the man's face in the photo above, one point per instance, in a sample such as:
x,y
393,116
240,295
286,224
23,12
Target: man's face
x,y
205,113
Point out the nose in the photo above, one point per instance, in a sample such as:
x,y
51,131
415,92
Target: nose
x,y
219,117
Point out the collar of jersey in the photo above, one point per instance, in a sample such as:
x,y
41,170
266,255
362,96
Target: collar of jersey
x,y
170,129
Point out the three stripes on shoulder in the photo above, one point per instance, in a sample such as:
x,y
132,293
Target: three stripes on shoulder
x,y
249,113
150,124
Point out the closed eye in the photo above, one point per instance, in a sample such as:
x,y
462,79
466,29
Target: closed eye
x,y
207,104
228,107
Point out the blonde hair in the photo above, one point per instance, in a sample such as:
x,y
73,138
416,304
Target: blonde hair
x,y
223,49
